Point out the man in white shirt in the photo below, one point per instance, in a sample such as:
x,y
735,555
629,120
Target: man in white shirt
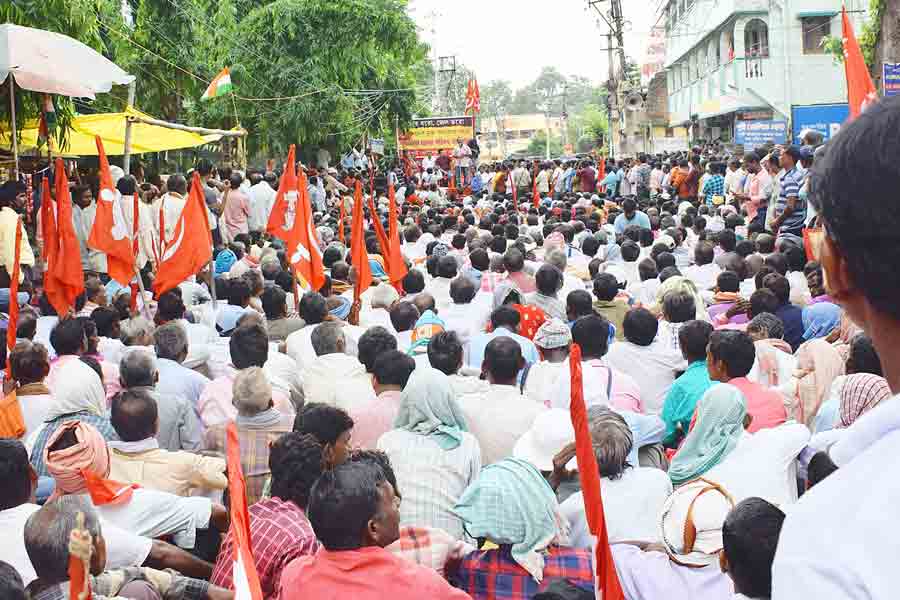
x,y
841,539
335,377
705,271
463,156
468,312
262,198
498,417
647,360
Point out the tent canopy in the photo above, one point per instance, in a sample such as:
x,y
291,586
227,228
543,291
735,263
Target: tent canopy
x,y
111,129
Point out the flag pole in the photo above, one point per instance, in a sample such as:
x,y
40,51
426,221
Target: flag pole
x,y
140,281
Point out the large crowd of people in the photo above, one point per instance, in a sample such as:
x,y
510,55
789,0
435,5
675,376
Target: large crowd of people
x,y
417,442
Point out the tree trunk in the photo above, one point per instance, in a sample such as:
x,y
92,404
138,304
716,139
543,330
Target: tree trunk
x,y
888,47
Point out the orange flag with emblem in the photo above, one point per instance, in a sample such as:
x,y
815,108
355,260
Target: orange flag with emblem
x,y
860,89
64,278
191,246
302,240
110,231
287,195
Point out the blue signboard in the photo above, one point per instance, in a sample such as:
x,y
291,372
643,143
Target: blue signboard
x,y
890,79
752,134
824,118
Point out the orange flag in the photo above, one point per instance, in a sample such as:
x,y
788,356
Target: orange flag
x,y
12,422
589,473
383,241
106,491
302,241
535,194
396,266
110,231
48,224
191,245
79,561
860,90
601,174
64,278
244,576
359,255
287,195
341,222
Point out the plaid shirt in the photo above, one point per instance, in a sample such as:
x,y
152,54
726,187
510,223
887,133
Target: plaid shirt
x,y
493,574
279,533
714,186
102,425
169,585
254,451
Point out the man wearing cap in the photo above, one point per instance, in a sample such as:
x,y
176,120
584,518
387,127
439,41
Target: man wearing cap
x,y
790,210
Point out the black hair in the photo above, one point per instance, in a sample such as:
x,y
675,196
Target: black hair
x,y
312,308
238,292
779,262
371,344
703,253
134,415
105,318
274,302
589,246
394,367
404,316
413,281
331,255
343,501
170,306
664,260
503,358
728,281
679,307
744,248
780,286
647,269
462,290
693,338
863,357
15,472
819,468
749,540
447,267
480,259
548,279
763,301
735,349
606,286
445,352
591,332
323,421
727,240
295,462
11,585
249,346
579,303
514,260
640,326
851,188
505,316
67,337
630,251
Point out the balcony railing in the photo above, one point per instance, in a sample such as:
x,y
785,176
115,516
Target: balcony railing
x,y
754,67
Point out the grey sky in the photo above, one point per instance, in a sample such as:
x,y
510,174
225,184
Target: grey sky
x,y
514,39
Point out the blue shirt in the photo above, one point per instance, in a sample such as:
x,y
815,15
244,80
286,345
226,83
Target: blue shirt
x,y
791,182
478,343
640,219
611,181
477,185
678,408
792,318
645,430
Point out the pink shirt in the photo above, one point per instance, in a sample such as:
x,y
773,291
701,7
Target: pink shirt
x,y
236,211
765,405
374,418
369,573
215,407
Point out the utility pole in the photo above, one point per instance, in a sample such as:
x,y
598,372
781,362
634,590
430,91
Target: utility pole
x,y
615,22
446,66
565,116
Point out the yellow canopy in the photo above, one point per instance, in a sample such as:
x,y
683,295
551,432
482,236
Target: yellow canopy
x,y
111,129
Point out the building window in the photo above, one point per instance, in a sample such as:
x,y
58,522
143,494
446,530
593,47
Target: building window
x,y
756,39
815,29
670,132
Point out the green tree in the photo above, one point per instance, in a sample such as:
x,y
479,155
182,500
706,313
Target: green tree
x,y
496,100
538,145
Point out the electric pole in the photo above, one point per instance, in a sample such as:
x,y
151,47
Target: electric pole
x,y
615,22
446,71
565,115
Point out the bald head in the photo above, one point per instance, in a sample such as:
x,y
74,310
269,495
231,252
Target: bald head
x,y
425,301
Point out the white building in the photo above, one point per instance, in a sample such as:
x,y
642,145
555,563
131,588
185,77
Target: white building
x,y
754,69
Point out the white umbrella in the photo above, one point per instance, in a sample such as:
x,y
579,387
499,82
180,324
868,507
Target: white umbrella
x,y
49,62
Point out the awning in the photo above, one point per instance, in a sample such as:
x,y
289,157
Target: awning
x,y
111,129
728,103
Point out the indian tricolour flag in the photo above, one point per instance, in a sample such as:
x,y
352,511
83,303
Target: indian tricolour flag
x,y
220,86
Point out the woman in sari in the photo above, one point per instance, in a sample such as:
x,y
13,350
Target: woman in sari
x,y
818,364
434,456
820,320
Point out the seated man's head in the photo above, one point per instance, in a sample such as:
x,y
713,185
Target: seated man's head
x,y
331,426
29,363
693,339
749,540
548,279
404,316
295,461
134,415
606,287
354,506
592,334
462,290
640,326
612,439
445,352
372,344
47,533
392,369
138,369
249,346
17,475
730,355
251,392
578,304
313,308
502,361
328,338
11,585
679,307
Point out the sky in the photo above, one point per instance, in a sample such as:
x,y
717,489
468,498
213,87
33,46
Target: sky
x,y
514,39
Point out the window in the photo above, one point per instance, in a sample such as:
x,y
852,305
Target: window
x,y
670,132
815,29
756,39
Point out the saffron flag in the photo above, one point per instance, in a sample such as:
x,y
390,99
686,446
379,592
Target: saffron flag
x,y
64,278
80,545
535,194
341,222
303,242
12,422
860,89
219,86
50,245
285,199
473,97
244,575
396,266
601,174
380,233
110,231
589,473
191,246
359,255
106,491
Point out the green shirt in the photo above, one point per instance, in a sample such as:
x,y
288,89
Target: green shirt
x,y
678,408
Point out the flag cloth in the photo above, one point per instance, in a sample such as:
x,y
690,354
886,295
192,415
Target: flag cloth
x,y
105,492
473,97
219,86
589,474
359,255
12,422
303,242
285,199
81,546
50,246
860,90
110,231
396,267
535,194
341,222
601,174
64,278
380,233
191,246
244,575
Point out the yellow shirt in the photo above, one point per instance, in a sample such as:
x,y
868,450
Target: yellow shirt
x,y
8,218
174,472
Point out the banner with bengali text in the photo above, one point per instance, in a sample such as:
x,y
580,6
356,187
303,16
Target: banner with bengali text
x,y
439,133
